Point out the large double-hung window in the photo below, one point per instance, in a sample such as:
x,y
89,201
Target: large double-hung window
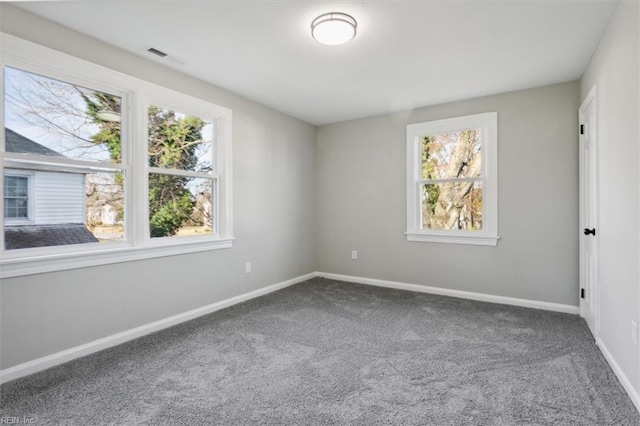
x,y
100,167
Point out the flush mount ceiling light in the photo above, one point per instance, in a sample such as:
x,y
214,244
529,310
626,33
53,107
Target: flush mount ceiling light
x,y
334,28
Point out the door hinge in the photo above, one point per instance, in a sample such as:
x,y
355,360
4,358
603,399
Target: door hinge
x,y
582,129
582,293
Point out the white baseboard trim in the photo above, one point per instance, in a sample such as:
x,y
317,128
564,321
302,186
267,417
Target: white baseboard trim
x,y
547,306
49,361
624,380
58,358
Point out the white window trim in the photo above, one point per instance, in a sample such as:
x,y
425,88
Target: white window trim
x,y
488,236
30,198
221,161
31,57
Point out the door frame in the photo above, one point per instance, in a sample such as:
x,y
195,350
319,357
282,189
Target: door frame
x,y
592,97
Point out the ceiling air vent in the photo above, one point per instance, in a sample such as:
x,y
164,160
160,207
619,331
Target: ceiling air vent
x,y
156,52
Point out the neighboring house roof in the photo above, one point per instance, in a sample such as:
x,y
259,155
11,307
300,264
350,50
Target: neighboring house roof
x,y
15,142
29,236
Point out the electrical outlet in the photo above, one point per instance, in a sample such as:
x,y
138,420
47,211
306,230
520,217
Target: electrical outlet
x,y
634,332
247,267
354,254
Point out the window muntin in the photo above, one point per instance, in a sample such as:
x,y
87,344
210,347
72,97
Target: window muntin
x,y
16,197
452,180
126,173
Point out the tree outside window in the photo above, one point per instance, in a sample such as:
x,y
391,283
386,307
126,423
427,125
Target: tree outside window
x,y
452,194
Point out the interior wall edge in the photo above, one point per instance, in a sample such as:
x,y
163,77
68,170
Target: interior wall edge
x,y
614,68
441,291
622,377
49,361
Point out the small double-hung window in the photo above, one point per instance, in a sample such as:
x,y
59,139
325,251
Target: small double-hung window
x,y
452,180
16,197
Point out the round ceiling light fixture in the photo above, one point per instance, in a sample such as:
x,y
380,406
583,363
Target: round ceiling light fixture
x,y
334,28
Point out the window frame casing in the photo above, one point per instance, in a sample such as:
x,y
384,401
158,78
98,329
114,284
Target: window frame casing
x,y
34,58
221,163
488,236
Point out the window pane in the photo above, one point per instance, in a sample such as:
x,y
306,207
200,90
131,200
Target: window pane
x,y
22,185
105,206
451,155
15,208
69,208
15,186
179,141
49,117
180,206
21,208
452,205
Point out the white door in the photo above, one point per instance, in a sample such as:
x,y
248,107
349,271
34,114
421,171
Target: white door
x,y
589,212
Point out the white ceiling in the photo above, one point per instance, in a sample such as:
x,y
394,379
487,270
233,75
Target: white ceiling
x,y
406,53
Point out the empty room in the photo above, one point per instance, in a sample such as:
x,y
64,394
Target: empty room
x,y
307,212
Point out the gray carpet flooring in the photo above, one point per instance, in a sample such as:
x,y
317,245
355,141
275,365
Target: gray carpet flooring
x,y
327,352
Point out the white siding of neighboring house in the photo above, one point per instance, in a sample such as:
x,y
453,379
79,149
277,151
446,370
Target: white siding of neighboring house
x,y
58,198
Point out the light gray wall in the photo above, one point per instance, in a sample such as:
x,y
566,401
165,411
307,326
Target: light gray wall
x,y
273,218
361,202
614,69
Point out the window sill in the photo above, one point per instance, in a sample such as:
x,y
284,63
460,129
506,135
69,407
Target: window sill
x,y
477,240
17,222
96,254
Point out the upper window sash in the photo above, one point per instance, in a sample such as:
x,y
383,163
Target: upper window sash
x,y
488,235
219,116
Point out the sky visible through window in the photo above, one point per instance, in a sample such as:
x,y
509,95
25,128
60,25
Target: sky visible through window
x,y
56,115
84,124
53,114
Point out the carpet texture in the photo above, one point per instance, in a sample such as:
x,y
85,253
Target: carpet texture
x,y
328,352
